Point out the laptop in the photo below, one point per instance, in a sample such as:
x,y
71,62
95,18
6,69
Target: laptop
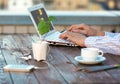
x,y
36,13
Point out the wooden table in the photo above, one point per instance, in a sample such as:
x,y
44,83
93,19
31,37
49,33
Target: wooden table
x,y
61,67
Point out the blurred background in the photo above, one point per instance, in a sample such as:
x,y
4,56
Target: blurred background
x,y
100,14
92,5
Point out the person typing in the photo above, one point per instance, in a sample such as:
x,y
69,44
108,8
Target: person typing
x,y
85,36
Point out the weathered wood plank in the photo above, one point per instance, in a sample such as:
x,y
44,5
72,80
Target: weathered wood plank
x,y
11,54
45,76
59,71
97,77
4,77
66,52
66,69
114,59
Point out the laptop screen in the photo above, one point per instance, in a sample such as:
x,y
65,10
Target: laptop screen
x,y
38,15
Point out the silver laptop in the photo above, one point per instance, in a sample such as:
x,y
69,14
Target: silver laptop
x,y
36,13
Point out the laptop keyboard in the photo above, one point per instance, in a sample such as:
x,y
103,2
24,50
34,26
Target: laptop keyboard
x,y
55,38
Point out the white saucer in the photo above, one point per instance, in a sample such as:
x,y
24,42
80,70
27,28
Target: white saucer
x,y
98,60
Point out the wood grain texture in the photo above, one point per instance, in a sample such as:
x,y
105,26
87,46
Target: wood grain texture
x,y
97,77
11,54
61,64
4,77
45,76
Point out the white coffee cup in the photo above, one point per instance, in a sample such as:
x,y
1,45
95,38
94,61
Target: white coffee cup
x,y
90,54
40,50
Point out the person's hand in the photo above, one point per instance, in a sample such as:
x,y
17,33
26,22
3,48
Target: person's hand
x,y
85,29
76,38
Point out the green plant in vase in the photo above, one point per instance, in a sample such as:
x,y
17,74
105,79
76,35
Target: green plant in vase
x,y
44,26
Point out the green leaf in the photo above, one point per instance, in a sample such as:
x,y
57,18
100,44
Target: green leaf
x,y
44,26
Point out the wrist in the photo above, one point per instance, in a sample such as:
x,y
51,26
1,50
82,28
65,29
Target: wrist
x,y
81,42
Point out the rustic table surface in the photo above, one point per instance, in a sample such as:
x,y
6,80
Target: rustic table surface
x,y
60,70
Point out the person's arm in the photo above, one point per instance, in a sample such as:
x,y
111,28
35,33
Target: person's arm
x,y
110,43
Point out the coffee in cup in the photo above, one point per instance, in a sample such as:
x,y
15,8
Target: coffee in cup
x,y
91,54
